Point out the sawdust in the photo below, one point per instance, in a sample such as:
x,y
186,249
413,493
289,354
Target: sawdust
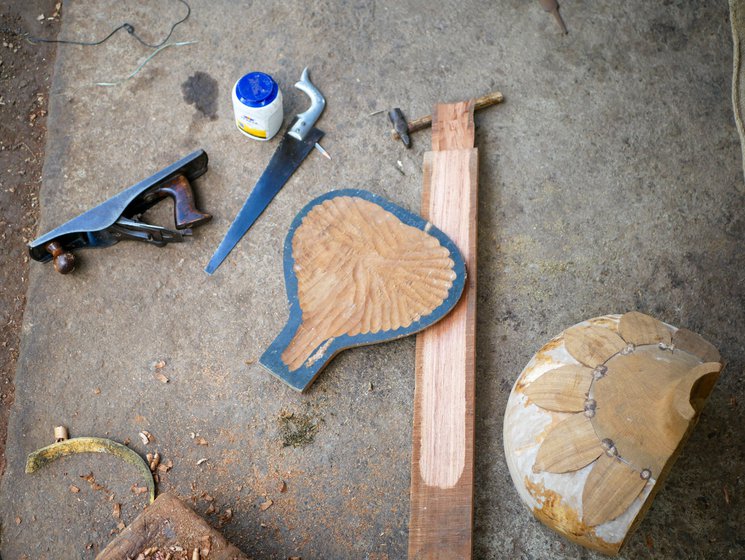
x,y
297,430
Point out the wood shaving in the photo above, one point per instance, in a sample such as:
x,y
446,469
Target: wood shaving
x,y
96,391
165,466
226,516
210,510
138,489
18,520
161,377
160,364
146,437
74,489
154,461
201,441
117,511
90,479
266,505
205,544
202,460
282,487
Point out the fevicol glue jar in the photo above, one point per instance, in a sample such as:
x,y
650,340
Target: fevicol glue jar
x,y
257,104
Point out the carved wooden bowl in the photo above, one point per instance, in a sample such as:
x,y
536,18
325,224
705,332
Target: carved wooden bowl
x,y
359,270
597,418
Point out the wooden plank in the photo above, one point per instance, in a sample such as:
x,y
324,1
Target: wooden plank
x,y
166,523
441,519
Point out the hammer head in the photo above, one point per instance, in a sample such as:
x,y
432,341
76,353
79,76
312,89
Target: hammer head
x,y
400,125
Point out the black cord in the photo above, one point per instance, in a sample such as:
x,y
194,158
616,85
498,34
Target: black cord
x,y
126,26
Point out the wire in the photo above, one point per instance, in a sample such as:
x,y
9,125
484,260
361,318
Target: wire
x,y
141,66
128,27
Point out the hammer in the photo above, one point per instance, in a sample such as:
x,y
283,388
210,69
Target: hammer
x,y
402,129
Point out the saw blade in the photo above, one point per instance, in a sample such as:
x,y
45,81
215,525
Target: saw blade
x,y
286,159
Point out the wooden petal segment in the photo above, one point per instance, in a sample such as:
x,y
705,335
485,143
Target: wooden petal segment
x,y
592,345
696,345
611,488
638,328
563,389
570,446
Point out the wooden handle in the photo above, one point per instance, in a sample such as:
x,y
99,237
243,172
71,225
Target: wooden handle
x,y
64,261
184,209
482,102
488,100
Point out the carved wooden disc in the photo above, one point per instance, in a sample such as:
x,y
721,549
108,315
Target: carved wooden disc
x,y
359,270
596,418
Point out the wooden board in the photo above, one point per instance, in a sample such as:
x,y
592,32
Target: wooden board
x,y
170,526
359,270
441,519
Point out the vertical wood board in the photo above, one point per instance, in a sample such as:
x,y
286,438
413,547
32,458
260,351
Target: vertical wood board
x,y
442,456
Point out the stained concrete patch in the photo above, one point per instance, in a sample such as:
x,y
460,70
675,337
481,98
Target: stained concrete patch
x,y
608,182
201,90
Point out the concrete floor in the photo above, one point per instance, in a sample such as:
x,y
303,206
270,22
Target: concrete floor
x,y
610,180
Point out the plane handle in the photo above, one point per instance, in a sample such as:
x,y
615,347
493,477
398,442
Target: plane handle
x,y
186,214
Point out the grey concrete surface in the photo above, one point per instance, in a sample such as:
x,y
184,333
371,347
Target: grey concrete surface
x,y
608,182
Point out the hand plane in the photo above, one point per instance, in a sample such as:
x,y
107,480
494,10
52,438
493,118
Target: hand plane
x,y
119,217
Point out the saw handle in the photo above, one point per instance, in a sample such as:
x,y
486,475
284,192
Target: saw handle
x,y
64,261
305,121
185,211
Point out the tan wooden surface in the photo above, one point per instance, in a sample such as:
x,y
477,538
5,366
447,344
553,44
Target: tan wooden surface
x,y
441,517
563,389
611,486
631,409
570,446
361,270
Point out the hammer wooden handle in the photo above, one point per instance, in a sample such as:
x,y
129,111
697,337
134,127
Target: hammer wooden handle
x,y
484,101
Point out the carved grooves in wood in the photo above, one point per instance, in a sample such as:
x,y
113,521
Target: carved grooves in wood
x,y
361,270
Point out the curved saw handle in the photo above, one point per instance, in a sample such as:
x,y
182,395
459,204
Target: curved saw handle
x,y
305,121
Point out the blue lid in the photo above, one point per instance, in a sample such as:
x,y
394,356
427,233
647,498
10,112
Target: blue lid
x,y
256,89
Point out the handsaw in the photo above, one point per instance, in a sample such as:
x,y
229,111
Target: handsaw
x,y
295,145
